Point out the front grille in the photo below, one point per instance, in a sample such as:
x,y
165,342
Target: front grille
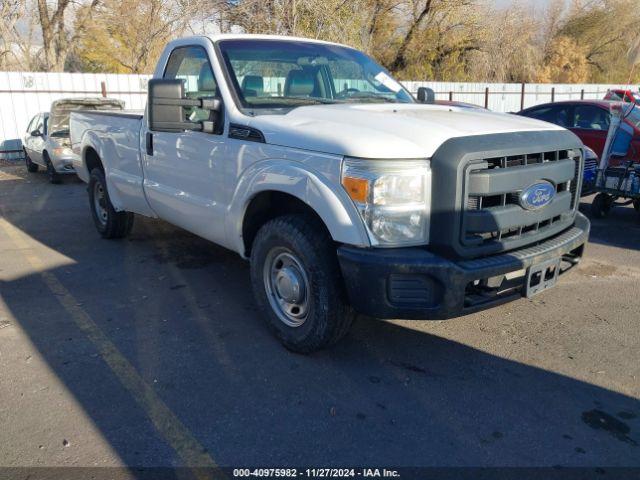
x,y
493,216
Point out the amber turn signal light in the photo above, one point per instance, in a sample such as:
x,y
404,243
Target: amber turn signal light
x,y
357,188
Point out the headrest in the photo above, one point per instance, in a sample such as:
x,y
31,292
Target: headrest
x,y
299,84
252,85
206,82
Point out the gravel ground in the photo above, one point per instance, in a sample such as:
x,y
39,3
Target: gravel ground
x,y
151,352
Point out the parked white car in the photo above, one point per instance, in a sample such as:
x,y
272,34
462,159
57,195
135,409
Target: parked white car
x,y
46,143
346,194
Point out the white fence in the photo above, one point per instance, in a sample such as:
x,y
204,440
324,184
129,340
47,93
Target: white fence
x,y
24,94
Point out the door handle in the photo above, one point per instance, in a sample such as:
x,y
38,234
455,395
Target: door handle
x,y
149,143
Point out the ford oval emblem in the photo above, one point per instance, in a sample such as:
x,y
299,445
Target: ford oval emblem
x,y
538,195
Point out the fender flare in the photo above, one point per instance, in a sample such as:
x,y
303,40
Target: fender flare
x,y
332,205
93,141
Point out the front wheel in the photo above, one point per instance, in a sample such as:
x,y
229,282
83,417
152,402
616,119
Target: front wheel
x,y
297,282
109,222
54,177
31,167
601,205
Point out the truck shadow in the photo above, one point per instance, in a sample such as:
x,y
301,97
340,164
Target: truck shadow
x,y
180,311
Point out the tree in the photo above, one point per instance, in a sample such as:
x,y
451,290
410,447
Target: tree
x,y
565,62
16,36
127,36
57,40
605,29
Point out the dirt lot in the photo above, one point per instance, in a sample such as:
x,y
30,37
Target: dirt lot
x,y
151,352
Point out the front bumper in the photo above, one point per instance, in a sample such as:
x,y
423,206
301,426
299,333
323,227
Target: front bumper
x,y
413,283
63,163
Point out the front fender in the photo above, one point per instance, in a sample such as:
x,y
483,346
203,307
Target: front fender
x,y
329,201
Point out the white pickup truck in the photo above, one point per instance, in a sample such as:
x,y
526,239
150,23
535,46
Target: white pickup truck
x,y
346,193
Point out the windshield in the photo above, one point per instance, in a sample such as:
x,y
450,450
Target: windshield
x,y
286,74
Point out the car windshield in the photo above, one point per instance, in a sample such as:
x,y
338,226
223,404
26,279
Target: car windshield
x,y
273,74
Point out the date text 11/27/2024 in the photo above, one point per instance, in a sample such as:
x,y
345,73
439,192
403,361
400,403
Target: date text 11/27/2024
x,y
316,473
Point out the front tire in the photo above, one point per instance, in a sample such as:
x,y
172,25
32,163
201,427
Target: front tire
x,y
297,283
601,205
31,167
54,177
109,222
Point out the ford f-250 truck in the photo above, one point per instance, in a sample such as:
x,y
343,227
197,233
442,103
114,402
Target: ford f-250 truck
x,y
346,193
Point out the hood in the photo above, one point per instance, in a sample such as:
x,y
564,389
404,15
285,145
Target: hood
x,y
61,109
385,130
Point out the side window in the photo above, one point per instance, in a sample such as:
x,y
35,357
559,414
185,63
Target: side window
x,y
191,64
552,114
589,117
40,124
32,124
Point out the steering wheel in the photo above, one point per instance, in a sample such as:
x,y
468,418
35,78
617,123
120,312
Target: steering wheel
x,y
345,93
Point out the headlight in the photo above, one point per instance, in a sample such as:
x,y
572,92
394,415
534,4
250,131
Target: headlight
x,y
62,151
392,197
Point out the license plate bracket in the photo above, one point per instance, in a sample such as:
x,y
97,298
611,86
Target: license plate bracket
x,y
541,276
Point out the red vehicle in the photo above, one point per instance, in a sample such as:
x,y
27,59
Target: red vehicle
x,y
623,95
589,120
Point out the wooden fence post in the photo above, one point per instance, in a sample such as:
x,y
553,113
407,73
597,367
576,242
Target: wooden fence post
x,y
553,94
450,96
486,98
582,94
522,92
103,88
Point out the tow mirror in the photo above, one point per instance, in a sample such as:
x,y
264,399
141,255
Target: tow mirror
x,y
167,108
36,133
426,95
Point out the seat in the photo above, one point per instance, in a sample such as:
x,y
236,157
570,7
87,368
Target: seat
x,y
252,86
299,84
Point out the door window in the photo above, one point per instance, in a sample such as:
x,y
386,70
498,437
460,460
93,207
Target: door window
x,y
589,117
191,64
40,124
553,114
32,124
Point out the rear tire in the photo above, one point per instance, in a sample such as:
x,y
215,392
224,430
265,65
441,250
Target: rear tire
x,y
31,167
601,205
296,251
54,177
109,222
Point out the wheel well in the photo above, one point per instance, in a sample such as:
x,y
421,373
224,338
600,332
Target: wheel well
x,y
268,205
92,160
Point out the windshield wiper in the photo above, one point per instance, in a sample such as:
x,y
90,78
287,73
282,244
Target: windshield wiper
x,y
367,96
310,100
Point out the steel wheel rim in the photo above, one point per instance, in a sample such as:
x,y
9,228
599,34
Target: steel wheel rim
x,y
100,203
287,285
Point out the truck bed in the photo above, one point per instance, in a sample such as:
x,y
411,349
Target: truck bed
x,y
115,135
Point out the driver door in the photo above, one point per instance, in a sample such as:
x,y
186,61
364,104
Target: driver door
x,y
184,170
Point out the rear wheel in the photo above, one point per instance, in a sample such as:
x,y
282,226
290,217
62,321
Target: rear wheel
x,y
601,205
31,167
54,177
109,222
